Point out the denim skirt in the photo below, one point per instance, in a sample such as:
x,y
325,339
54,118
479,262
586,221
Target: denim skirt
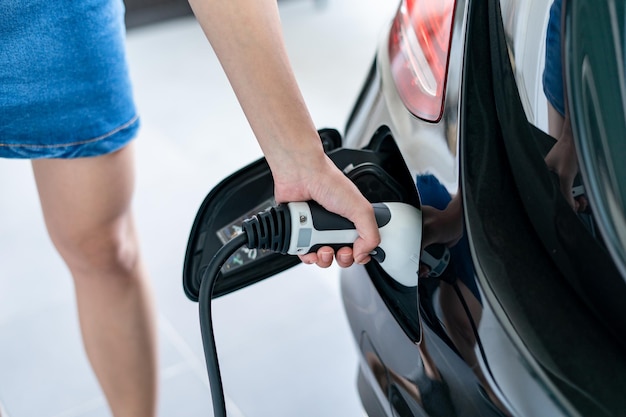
x,y
553,70
65,90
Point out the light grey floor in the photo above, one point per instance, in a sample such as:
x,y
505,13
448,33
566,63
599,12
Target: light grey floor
x,y
284,344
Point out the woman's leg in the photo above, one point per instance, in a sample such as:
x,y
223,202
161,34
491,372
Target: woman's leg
x,y
87,208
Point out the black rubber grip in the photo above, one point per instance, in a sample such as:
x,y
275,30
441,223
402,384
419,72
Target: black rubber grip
x,y
325,220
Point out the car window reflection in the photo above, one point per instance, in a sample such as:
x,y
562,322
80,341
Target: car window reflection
x,y
458,294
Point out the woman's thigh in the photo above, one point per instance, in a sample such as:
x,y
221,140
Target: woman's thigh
x,y
86,204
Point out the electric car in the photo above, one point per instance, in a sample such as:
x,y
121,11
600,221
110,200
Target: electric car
x,y
518,302
528,317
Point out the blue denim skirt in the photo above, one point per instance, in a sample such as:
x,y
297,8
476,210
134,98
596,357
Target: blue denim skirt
x,y
65,90
553,70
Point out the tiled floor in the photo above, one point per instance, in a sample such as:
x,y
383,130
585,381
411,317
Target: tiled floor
x,y
284,344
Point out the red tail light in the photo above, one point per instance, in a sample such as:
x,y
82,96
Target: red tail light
x,y
419,46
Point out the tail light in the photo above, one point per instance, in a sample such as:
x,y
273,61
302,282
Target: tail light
x,y
419,46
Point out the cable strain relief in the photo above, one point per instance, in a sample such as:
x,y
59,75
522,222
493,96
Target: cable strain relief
x,y
269,230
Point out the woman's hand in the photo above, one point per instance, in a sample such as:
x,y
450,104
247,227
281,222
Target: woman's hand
x,y
317,178
562,160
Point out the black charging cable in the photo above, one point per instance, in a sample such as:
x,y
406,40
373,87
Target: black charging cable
x,y
206,326
270,230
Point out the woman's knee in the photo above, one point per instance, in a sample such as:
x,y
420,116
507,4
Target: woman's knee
x,y
108,249
86,205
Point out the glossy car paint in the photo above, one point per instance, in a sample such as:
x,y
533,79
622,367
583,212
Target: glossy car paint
x,y
547,343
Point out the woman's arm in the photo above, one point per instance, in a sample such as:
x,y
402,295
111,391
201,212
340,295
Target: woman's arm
x,y
247,37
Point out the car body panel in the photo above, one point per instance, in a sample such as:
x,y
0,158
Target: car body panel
x,y
548,336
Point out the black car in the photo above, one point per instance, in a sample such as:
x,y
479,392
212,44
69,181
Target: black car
x,y
520,304
537,325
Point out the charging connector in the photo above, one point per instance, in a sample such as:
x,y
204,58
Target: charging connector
x,y
300,228
270,229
